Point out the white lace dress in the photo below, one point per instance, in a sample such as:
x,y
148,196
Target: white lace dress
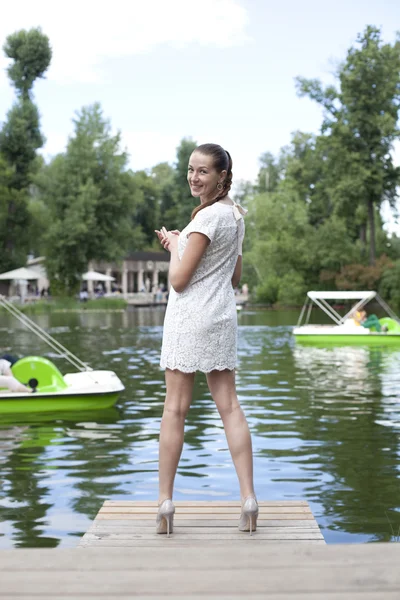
x,y
200,326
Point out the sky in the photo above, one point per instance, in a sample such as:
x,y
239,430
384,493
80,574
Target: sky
x,y
217,71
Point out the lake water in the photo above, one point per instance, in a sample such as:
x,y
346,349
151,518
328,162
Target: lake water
x,y
325,426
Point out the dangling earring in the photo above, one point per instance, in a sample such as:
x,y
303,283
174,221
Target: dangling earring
x,y
220,187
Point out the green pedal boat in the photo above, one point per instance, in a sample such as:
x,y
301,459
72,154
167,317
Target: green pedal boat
x,y
345,329
86,389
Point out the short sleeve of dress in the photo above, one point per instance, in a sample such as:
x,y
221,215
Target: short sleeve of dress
x,y
241,230
205,222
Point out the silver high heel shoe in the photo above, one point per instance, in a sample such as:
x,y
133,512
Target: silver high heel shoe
x,y
165,517
248,518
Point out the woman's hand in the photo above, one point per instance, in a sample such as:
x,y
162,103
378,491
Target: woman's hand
x,y
168,239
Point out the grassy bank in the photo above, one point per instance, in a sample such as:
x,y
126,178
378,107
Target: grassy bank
x,y
47,305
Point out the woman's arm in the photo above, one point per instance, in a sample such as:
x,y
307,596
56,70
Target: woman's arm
x,y
238,267
182,271
237,273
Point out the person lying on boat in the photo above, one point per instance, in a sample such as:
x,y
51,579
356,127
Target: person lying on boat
x,y
369,322
7,379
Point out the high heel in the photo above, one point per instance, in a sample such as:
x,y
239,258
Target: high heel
x,y
248,518
165,517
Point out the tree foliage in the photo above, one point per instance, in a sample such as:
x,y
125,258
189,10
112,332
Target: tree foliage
x,y
90,195
361,126
20,138
183,200
30,53
14,221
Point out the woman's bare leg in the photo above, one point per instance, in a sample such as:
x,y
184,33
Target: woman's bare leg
x,y
223,390
177,403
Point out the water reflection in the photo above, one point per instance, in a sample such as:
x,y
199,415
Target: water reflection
x,y
349,390
339,370
325,426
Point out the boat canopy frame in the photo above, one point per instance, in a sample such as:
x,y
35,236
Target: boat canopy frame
x,y
320,299
60,350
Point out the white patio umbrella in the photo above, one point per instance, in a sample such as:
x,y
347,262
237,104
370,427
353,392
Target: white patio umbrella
x,y
94,276
22,273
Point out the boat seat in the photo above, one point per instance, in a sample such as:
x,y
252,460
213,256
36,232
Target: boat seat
x,y
392,325
48,377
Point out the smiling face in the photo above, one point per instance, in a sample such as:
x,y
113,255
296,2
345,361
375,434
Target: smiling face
x,y
203,177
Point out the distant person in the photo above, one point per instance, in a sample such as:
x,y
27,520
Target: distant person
x,y
7,379
370,321
200,326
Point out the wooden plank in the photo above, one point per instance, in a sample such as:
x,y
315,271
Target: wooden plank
x,y
104,531
200,545
328,595
190,535
212,511
252,558
205,503
199,517
132,524
226,581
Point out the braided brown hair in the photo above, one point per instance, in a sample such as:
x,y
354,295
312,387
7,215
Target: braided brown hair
x,y
222,161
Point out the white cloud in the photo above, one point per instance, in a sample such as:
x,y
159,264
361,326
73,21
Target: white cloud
x,y
84,33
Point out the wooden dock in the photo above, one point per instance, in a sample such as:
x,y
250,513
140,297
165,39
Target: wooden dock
x,y
121,557
130,524
251,570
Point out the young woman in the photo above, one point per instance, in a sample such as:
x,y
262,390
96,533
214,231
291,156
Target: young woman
x,y
200,327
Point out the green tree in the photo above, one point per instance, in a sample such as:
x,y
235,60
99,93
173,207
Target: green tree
x,y
295,239
389,285
20,138
269,174
303,163
280,254
183,199
147,206
14,221
30,53
164,177
361,121
91,197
